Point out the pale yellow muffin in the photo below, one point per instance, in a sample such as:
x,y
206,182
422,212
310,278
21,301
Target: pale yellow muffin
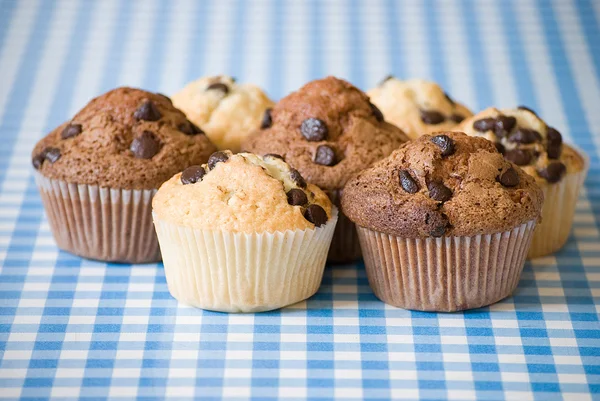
x,y
417,106
225,110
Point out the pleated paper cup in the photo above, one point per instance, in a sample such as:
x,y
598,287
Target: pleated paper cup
x,y
445,274
243,272
106,224
345,246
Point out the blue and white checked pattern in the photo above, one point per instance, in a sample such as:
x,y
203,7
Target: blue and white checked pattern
x,y
75,328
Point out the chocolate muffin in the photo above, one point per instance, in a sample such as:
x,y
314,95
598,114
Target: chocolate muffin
x,y
444,223
328,130
526,140
97,173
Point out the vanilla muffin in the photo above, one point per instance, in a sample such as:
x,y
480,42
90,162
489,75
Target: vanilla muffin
x,y
328,130
243,233
444,223
526,140
225,110
417,106
97,173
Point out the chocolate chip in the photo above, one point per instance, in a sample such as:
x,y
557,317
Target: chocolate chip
x,y
168,99
297,197
503,125
408,183
438,191
376,112
189,128
218,86
457,118
553,172
38,160
432,117
316,215
314,130
499,147
445,143
438,231
297,178
52,154
147,112
484,124
525,136
325,156
521,157
71,130
510,178
267,121
384,80
527,109
145,146
274,155
448,98
215,158
440,224
192,175
554,143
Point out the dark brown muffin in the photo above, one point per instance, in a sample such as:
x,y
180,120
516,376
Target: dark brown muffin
x,y
127,138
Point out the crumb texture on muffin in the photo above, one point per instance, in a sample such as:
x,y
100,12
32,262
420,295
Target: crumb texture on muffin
x,y
242,193
127,139
417,106
445,184
328,130
526,140
227,111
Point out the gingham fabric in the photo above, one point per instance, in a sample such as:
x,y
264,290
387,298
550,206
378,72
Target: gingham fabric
x,y
73,328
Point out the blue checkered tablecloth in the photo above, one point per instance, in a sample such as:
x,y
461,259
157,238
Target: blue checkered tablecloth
x,y
73,328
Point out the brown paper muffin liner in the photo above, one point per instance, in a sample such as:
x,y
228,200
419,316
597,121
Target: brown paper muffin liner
x,y
445,274
243,272
113,225
345,246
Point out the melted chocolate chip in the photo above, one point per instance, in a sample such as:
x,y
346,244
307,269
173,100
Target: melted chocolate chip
x,y
267,121
384,80
525,136
553,172
554,143
297,197
499,147
527,109
71,130
192,175
503,125
189,128
218,86
52,154
432,117
510,178
38,160
376,112
145,146
147,112
325,156
297,178
484,124
314,130
445,143
438,191
168,99
215,158
457,118
521,157
316,215
273,155
408,183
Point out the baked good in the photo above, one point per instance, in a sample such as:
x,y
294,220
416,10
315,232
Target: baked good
x,y
328,130
417,106
227,111
98,172
526,140
243,233
444,223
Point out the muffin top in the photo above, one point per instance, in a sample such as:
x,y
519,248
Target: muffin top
x,y
225,110
445,184
242,193
417,106
127,138
526,140
328,130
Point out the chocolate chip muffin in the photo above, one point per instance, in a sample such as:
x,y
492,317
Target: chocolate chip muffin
x,y
328,130
417,106
444,223
526,140
97,173
243,233
227,111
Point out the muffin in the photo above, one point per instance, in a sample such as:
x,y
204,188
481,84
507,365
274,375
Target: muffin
x,y
417,106
559,169
444,222
328,130
97,173
243,233
225,110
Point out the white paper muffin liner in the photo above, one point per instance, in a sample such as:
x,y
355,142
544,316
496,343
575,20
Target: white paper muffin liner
x,y
445,274
243,272
113,225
